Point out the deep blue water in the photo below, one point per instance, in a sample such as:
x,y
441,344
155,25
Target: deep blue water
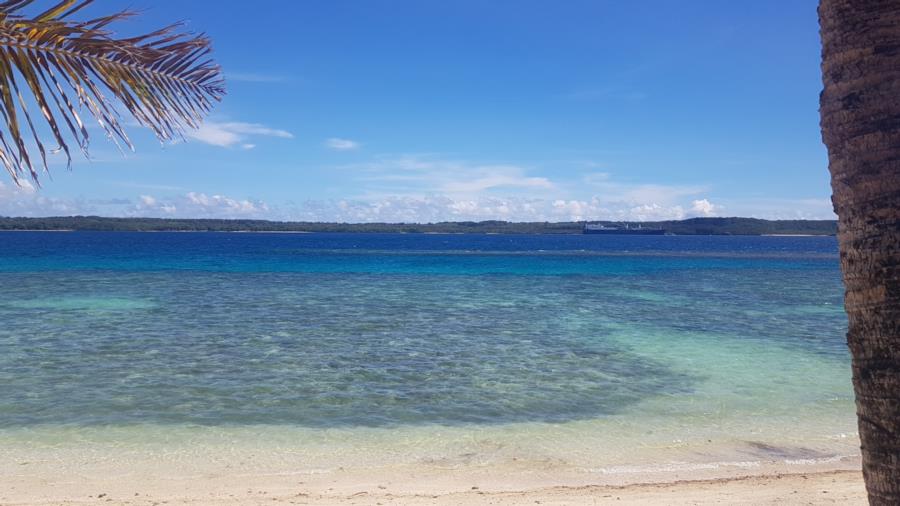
x,y
327,330
403,253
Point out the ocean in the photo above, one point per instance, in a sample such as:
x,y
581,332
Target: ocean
x,y
601,353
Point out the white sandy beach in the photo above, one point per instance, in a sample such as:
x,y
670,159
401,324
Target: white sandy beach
x,y
243,476
771,487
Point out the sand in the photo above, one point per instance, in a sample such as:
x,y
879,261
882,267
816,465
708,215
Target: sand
x,y
141,484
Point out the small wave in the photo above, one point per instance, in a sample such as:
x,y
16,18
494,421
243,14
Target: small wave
x,y
674,467
821,460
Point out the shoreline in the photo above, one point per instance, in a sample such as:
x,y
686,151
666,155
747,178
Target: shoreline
x,y
259,466
772,483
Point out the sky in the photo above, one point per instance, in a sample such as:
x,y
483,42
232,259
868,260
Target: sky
x,y
519,110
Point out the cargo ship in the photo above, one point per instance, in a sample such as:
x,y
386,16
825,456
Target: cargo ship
x,y
623,230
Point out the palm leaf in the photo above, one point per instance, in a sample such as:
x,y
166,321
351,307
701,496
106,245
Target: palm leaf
x,y
165,79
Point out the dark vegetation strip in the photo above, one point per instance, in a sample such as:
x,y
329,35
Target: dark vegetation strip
x,y
694,226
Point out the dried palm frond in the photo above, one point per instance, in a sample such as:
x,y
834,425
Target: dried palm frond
x,y
164,78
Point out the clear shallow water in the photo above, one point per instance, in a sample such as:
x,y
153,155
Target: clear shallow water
x,y
602,338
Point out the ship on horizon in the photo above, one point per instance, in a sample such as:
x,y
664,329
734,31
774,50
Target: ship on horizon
x,y
626,229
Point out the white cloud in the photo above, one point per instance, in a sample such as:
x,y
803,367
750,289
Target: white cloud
x,y
217,203
446,208
498,180
337,144
25,201
650,202
605,186
597,178
656,194
25,186
597,208
654,212
419,176
779,208
231,134
451,189
411,209
703,207
199,205
427,188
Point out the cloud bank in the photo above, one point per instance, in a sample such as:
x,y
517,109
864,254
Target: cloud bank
x,y
418,188
409,209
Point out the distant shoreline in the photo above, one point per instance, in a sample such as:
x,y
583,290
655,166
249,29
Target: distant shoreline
x,y
693,226
39,230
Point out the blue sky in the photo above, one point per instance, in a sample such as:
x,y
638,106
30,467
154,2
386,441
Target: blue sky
x,y
424,111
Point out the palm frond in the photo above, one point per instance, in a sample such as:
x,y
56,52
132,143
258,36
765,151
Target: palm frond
x,y
165,79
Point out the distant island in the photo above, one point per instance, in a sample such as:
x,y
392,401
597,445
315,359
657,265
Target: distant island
x,y
693,226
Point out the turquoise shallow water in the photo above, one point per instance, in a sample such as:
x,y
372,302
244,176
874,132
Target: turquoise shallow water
x,y
695,337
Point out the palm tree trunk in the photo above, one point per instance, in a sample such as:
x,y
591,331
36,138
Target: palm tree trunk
x,y
860,114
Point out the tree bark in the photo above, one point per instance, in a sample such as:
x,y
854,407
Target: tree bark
x,y
860,119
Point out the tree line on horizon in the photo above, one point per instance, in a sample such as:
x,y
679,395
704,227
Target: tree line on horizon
x,y
693,226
